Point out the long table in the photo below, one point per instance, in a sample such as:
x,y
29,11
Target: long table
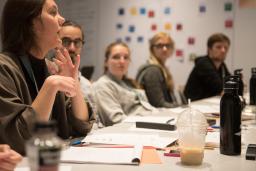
x,y
213,160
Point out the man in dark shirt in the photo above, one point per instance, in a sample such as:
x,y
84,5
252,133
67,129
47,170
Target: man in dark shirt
x,y
206,78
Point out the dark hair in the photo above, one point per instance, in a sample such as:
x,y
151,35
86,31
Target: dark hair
x,y
108,51
217,37
17,34
74,24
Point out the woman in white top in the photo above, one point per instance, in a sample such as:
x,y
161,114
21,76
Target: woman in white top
x,y
116,95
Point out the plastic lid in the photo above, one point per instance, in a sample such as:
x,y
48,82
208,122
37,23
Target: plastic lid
x,y
191,117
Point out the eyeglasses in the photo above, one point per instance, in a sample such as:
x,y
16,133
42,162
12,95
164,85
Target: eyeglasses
x,y
66,42
161,46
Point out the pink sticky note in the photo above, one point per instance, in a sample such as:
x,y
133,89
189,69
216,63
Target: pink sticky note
x,y
229,23
179,53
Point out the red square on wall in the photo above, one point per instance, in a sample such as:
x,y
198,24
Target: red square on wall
x,y
179,27
153,27
179,53
191,40
151,14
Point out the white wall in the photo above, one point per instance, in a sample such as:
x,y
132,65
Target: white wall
x,y
99,17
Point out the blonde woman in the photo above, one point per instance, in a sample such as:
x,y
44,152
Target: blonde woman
x,y
154,76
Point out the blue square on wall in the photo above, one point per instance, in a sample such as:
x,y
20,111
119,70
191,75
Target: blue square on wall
x,y
131,29
142,11
119,26
140,39
121,11
167,10
202,8
128,39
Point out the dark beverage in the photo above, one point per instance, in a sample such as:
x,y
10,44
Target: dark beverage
x,y
230,120
238,72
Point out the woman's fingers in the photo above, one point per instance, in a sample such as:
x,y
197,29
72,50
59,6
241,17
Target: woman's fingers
x,y
60,56
64,84
6,166
11,159
15,157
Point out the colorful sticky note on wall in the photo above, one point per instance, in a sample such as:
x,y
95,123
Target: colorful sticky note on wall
x,y
228,6
121,11
191,40
202,8
168,26
142,11
153,27
119,26
180,55
229,23
167,10
128,39
151,14
179,27
133,11
192,57
118,39
179,52
140,39
131,29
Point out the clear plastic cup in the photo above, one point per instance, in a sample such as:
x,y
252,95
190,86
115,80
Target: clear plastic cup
x,y
192,127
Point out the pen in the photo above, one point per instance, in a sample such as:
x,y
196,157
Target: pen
x,y
170,120
215,126
77,142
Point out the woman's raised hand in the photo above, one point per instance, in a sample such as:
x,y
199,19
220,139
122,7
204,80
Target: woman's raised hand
x,y
65,65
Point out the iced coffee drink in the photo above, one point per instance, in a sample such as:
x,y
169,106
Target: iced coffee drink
x,y
191,156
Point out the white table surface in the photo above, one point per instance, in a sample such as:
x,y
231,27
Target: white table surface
x,y
213,160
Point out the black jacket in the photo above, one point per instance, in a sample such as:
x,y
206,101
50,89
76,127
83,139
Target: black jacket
x,y
205,80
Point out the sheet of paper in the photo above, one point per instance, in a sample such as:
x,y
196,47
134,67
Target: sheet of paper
x,y
153,140
213,137
206,108
61,168
102,155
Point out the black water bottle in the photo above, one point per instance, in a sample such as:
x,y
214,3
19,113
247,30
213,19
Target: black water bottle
x,y
230,120
253,87
238,72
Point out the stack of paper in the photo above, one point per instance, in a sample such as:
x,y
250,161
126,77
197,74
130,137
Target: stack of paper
x,y
130,139
125,155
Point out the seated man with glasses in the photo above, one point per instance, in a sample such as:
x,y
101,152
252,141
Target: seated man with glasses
x,y
155,77
72,37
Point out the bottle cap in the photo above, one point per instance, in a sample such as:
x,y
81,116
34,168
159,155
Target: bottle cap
x,y
49,126
231,84
253,70
234,78
238,72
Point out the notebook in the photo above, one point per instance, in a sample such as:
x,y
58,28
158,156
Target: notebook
x,y
123,156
